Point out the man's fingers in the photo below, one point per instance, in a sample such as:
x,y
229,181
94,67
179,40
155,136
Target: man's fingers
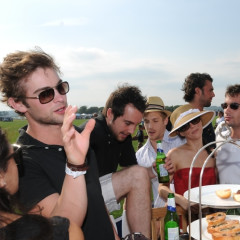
x,y
69,117
89,127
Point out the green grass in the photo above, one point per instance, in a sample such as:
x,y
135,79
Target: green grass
x,y
12,128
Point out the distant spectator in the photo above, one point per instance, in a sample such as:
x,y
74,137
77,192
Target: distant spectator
x,y
139,136
169,125
220,118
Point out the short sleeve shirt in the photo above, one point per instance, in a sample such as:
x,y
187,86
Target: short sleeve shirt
x,y
44,173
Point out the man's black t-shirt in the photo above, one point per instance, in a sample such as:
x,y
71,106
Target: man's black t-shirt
x,y
44,173
110,152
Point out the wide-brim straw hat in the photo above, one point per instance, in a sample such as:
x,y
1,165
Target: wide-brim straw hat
x,y
185,114
155,104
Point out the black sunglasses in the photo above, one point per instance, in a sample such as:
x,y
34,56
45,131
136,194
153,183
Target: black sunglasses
x,y
187,125
17,156
47,95
233,106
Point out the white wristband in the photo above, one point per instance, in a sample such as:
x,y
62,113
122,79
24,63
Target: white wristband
x,y
75,174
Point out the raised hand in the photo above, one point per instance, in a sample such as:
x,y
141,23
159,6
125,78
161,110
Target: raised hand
x,y
75,144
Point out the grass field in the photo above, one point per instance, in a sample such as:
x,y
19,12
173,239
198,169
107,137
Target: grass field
x,y
12,127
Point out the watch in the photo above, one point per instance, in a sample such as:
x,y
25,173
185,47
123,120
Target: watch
x,y
75,174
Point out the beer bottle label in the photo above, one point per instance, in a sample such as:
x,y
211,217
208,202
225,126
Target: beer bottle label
x,y
171,205
162,171
173,233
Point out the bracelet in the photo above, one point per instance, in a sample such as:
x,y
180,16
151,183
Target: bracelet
x,y
75,174
76,168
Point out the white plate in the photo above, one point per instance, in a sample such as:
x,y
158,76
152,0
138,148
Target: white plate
x,y
210,198
205,235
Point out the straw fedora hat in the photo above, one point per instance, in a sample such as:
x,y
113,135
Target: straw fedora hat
x,y
155,104
185,114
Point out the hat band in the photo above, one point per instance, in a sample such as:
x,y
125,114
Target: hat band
x,y
155,107
185,113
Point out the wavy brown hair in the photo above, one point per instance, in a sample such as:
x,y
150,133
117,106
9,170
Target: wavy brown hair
x,y
17,67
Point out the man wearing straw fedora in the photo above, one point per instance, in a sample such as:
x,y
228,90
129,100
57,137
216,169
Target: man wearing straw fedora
x,y
155,121
198,92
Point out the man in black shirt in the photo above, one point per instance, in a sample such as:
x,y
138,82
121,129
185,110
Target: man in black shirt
x,y
111,141
31,85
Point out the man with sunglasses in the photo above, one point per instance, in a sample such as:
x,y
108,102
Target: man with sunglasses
x,y
31,85
228,161
198,92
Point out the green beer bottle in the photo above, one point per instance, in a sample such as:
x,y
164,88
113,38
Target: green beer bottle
x,y
171,220
163,176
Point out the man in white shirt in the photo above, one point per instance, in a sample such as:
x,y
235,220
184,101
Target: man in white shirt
x,y
228,162
155,121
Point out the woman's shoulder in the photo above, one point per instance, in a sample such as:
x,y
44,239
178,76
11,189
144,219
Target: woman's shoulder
x,y
175,152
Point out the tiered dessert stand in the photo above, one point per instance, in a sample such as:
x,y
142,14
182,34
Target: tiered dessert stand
x,y
199,200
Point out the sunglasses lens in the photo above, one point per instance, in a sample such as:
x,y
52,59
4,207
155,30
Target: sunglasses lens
x,y
224,105
184,128
46,96
63,88
234,106
195,121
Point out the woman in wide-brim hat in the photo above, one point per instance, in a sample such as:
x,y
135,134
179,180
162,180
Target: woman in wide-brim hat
x,y
189,123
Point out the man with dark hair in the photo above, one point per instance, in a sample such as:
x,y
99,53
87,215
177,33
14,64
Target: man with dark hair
x,y
228,163
198,92
31,85
112,142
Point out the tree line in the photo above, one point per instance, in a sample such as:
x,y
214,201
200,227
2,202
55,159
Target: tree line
x,y
91,110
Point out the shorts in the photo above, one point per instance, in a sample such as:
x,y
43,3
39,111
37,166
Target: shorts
x,y
108,193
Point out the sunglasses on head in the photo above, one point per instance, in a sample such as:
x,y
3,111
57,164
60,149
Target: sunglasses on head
x,y
187,125
233,106
17,156
47,95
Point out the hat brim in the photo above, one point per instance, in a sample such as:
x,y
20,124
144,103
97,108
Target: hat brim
x,y
206,118
168,113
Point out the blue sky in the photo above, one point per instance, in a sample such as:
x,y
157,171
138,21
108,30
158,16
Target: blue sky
x,y
153,44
